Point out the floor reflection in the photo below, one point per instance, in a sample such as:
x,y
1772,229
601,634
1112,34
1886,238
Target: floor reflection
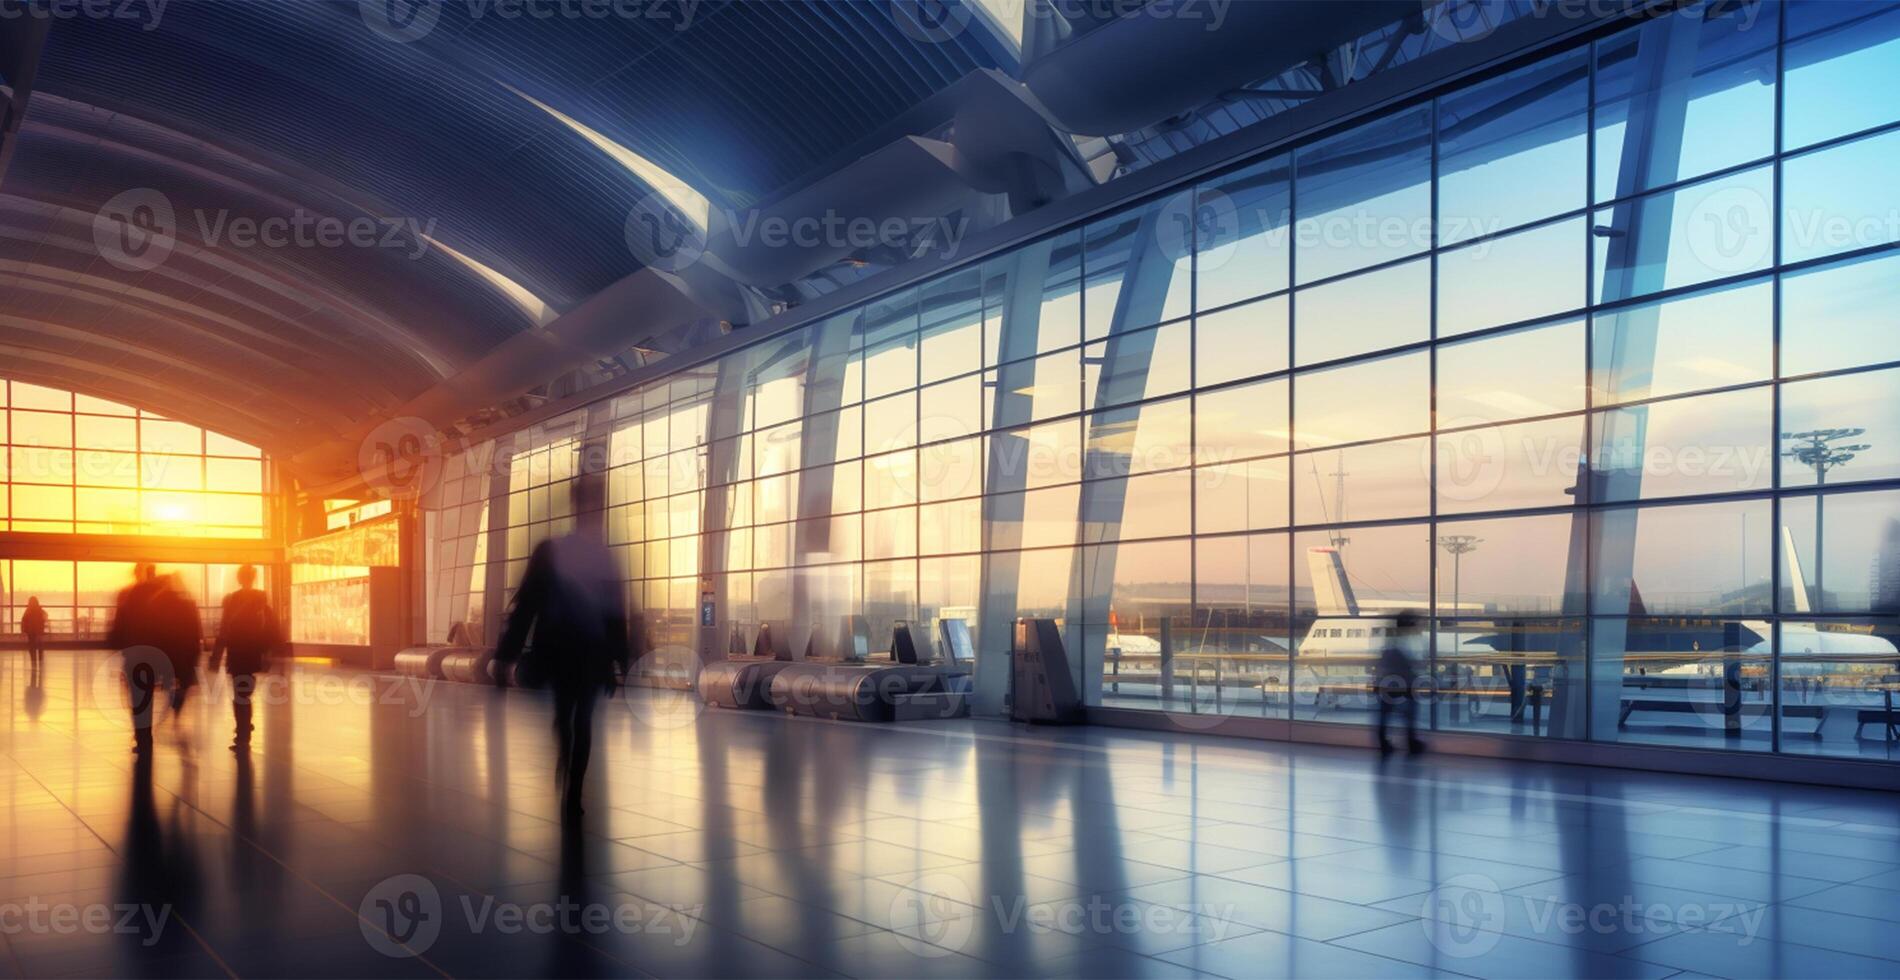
x,y
381,828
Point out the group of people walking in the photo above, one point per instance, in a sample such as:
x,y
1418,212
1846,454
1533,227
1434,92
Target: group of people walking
x,y
157,630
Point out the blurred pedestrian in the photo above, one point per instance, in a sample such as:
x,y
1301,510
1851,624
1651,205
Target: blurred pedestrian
x,y
136,634
568,630
180,636
248,634
1397,683
33,625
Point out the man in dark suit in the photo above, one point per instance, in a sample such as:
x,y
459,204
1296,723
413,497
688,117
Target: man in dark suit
x,y
572,604
138,635
248,633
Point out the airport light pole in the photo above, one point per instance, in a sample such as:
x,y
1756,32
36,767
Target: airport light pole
x,y
1458,546
1817,448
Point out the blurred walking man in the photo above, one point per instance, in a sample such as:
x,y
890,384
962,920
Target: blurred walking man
x,y
248,633
571,603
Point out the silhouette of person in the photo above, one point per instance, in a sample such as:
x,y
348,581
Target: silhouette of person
x,y
1398,682
33,625
136,634
570,601
180,636
248,633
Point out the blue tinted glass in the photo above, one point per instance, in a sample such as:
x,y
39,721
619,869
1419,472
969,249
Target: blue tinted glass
x,y
1841,81
1841,429
1679,238
1509,467
1842,198
1137,267
1517,277
1707,340
1364,196
1707,444
1697,558
1242,243
1842,315
1389,396
1240,342
1375,311
1683,96
1512,150
1838,555
1378,481
1519,374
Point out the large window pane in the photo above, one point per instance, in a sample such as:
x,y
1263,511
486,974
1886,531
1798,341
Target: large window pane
x,y
1052,268
1364,197
1241,421
1036,519
1037,456
1367,400
1240,628
1135,602
1512,150
1138,266
1136,507
1510,676
1681,560
1509,566
952,331
1363,483
1708,444
1243,245
1842,198
1240,342
1143,364
1830,78
1509,467
1043,388
1139,439
1679,238
1840,553
1517,277
1708,340
1843,429
1519,374
1348,585
1692,682
1387,308
1243,496
1842,315
1684,96
1837,695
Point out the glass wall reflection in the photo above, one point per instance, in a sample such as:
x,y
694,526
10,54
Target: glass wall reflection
x,y
1627,457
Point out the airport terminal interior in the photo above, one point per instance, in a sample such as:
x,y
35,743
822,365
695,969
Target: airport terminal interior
x,y
950,488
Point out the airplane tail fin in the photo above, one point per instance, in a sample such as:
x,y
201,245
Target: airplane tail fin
x,y
1332,594
1796,580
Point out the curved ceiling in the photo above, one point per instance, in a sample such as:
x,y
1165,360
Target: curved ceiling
x,y
436,192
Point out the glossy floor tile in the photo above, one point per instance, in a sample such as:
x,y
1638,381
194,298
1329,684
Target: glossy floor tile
x,y
386,827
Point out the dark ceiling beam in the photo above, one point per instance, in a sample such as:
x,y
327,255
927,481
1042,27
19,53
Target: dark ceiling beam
x,y
21,40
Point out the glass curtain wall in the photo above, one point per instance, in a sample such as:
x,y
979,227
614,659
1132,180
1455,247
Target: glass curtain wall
x,y
78,464
1592,364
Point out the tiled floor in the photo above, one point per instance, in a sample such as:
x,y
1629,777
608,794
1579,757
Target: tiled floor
x,y
385,828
